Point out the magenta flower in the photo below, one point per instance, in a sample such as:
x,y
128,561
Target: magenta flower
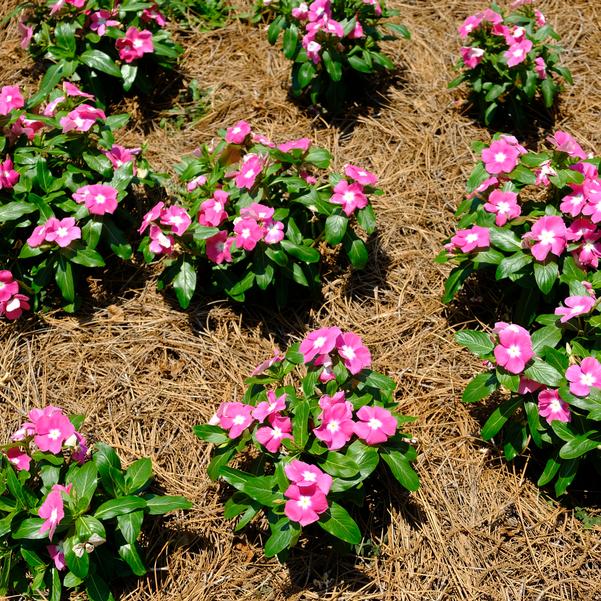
x,y
305,504
544,172
564,142
585,376
19,459
277,357
249,170
274,232
10,99
99,199
483,187
8,176
313,49
301,12
154,14
301,144
177,218
474,238
151,216
527,386
327,373
248,233
261,139
269,407
354,354
319,9
574,306
471,23
235,417
257,211
326,401
337,426
471,57
212,212
549,234
357,32
63,232
361,176
578,228
350,196
24,127
517,53
199,180
540,67
118,155
57,555
26,32
81,118
593,210
13,308
101,19
500,157
160,243
134,45
504,204
539,18
589,252
377,424
491,16
52,431
552,407
306,475
8,285
514,349
52,509
376,5
333,27
572,204
219,248
271,436
319,342
238,133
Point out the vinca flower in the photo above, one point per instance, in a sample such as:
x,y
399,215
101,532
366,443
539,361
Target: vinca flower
x,y
585,376
552,407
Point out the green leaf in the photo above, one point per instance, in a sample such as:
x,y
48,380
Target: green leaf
x,y
88,258
359,64
335,228
184,284
478,343
259,488
401,469
130,525
523,175
129,74
15,210
339,465
512,264
399,29
300,427
355,250
543,373
64,279
303,253
138,475
365,456
79,565
274,29
109,467
290,42
549,89
117,240
160,504
129,553
499,417
550,471
547,336
53,75
319,157
97,589
213,434
580,445
100,61
283,534
546,275
478,175
120,506
56,589
506,240
43,175
333,66
482,386
85,481
566,474
366,219
337,521
455,281
306,73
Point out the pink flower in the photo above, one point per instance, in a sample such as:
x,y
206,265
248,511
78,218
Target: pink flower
x,y
50,108
593,210
238,133
337,426
62,232
248,233
134,45
539,18
471,57
72,90
491,16
527,386
500,157
549,234
306,475
514,349
540,67
52,509
504,204
81,118
302,144
333,27
100,20
177,218
277,357
26,32
578,228
271,436
154,14
160,243
199,180
19,459
483,187
24,126
350,196
99,199
10,99
361,176
585,376
564,142
319,9
376,5
305,504
471,23
51,432
377,424
319,342
261,139
572,204
57,555
354,354
8,176
249,171
212,212
301,12
471,239
575,305
589,252
14,307
543,172
257,211
326,401
274,232
219,248
8,285
235,417
313,49
269,407
151,216
552,407
357,32
118,155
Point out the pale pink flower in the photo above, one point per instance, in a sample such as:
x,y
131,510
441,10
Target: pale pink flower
x,y
57,555
514,349
274,232
235,417
199,180
151,216
549,236
305,504
26,32
540,67
302,144
474,238
319,342
160,243
269,407
564,142
377,424
81,119
19,458
306,475
301,12
177,218
99,199
361,176
219,248
8,285
52,509
8,176
10,99
504,204
500,157
50,108
63,231
14,307
212,212
472,22
350,196
539,18
52,431
271,436
134,45
471,57
585,376
249,170
101,19
574,306
552,407
518,3
337,426
238,133
257,211
544,172
313,49
355,355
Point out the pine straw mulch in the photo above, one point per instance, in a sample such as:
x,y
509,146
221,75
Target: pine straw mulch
x,y
144,372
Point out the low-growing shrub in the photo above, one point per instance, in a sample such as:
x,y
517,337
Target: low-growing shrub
x,y
256,215
88,511
510,61
313,425
533,218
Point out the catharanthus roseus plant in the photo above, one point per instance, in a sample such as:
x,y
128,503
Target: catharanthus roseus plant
x,y
70,515
329,41
256,214
510,61
102,43
314,424
66,190
533,218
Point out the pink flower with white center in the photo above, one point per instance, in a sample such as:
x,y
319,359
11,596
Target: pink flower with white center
x,y
592,186
306,475
26,32
483,187
118,155
544,172
357,32
151,216
564,142
277,357
8,285
52,430
540,67
252,167
336,428
504,204
235,417
552,407
593,210
572,204
585,376
10,99
134,45
248,233
271,436
14,307
313,49
160,243
8,176
81,119
63,232
212,212
101,19
549,234
238,133
57,555
99,199
574,306
52,509
528,386
219,248
72,90
319,342
589,253
514,349
491,16
318,9
361,176
377,424
177,218
269,407
517,53
50,108
19,459
199,180
472,22
302,144
578,228
500,157
474,238
350,196
257,211
274,232
333,27
301,12
327,402
305,504
471,57
39,234
355,355
327,373
154,14
23,126
514,142
539,18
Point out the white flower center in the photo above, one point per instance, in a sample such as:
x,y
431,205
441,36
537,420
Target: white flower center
x,y
348,352
471,238
250,173
547,237
309,476
500,157
514,351
518,53
503,207
333,426
277,432
374,423
587,379
62,232
217,207
54,434
245,233
13,304
238,420
348,196
319,342
304,502
100,199
78,121
555,406
138,43
53,516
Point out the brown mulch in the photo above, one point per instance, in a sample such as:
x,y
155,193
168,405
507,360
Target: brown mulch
x,y
144,372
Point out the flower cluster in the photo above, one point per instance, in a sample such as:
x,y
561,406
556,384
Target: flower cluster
x,y
253,213
88,40
315,445
82,499
509,62
329,42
